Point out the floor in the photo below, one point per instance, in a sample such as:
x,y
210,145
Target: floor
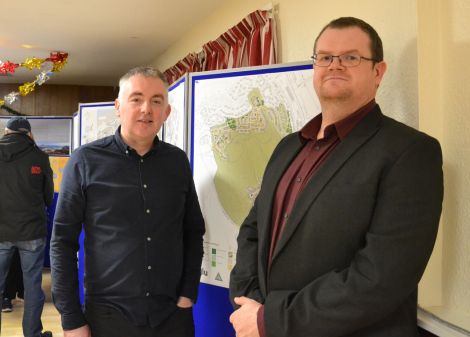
x,y
11,322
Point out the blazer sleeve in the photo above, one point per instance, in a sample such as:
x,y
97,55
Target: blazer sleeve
x,y
244,276
384,273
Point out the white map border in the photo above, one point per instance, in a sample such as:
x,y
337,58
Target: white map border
x,y
175,128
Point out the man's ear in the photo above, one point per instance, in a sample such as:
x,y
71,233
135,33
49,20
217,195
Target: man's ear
x,y
167,112
380,69
117,105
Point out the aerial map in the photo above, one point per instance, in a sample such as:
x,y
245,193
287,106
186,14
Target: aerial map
x,y
237,120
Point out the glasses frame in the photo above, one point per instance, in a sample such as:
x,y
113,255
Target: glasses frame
x,y
314,57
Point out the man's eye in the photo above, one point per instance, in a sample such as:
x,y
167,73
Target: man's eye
x,y
326,58
349,57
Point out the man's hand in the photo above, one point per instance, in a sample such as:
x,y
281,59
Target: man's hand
x,y
183,302
244,319
83,331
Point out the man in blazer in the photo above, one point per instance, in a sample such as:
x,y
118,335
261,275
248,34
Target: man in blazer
x,y
348,211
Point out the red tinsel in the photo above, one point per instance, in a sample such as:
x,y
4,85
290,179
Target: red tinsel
x,y
8,67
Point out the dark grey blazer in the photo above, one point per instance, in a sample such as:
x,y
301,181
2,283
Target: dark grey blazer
x,y
357,241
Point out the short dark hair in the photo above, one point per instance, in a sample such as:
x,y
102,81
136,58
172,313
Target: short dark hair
x,y
144,71
376,47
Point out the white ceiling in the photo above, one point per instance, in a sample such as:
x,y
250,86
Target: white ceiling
x,y
104,38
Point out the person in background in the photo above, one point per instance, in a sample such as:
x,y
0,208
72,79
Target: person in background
x,y
13,284
26,188
136,199
348,211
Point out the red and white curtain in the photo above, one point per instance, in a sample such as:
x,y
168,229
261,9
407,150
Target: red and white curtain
x,y
251,42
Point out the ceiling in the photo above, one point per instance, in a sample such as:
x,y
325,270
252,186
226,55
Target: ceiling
x,y
104,38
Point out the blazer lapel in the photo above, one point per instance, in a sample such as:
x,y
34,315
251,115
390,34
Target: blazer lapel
x,y
358,136
277,167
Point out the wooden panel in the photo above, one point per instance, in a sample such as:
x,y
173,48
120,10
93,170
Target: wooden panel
x,y
57,100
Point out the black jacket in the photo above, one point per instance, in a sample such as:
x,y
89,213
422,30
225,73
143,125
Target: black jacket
x,y
357,240
26,188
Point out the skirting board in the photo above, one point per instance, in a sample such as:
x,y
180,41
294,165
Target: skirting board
x,y
439,327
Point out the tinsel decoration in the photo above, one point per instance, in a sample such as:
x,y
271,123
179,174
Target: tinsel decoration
x,y
53,64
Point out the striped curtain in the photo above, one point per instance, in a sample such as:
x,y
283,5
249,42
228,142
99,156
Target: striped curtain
x,y
251,42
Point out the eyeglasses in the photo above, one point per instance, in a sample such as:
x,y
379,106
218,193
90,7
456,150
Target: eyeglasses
x,y
346,60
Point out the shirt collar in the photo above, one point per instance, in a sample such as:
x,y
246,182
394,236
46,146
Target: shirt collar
x,y
126,148
343,127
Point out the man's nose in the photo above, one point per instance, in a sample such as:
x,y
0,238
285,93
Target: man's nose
x,y
336,63
146,107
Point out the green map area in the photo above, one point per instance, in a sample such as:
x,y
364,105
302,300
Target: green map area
x,y
242,147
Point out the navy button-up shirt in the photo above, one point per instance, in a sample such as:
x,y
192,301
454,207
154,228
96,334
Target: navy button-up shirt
x,y
143,231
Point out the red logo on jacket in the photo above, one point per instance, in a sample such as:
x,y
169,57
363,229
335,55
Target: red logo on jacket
x,y
35,169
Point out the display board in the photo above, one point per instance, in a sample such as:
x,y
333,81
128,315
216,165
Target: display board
x,y
97,120
58,165
237,118
52,134
175,127
76,131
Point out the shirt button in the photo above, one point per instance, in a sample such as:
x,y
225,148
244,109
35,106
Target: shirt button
x,y
148,211
149,267
298,179
145,185
317,147
286,215
147,294
127,152
141,160
149,239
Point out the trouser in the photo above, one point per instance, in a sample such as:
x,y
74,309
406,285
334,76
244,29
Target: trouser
x,y
14,282
32,260
105,321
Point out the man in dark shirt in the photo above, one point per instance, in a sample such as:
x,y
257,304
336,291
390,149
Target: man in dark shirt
x,y
26,188
136,199
348,210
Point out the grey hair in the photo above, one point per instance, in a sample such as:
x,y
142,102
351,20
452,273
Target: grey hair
x,y
145,71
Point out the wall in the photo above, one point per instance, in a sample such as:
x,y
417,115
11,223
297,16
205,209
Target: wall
x,y
444,78
56,100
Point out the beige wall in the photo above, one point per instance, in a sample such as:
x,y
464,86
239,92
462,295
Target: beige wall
x,y
444,51
426,46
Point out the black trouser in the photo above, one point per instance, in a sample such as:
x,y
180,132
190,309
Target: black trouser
x,y
14,281
105,321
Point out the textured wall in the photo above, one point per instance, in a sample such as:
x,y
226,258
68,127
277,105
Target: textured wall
x,y
444,106
456,141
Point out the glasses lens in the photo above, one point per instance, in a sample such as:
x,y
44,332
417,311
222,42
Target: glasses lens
x,y
322,60
346,60
350,60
